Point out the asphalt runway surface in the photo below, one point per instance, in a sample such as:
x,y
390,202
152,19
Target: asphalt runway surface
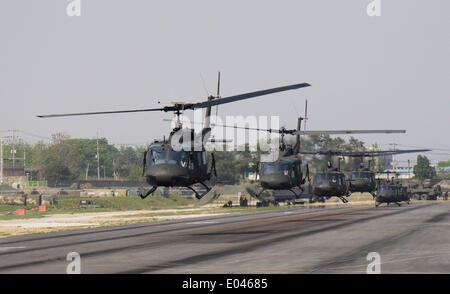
x,y
412,238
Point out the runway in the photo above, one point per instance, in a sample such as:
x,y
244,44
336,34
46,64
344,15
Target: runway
x,y
410,239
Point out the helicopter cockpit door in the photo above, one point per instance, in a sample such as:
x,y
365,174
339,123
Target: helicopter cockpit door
x,y
144,163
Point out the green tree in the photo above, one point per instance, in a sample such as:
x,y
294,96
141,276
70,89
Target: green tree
x,y
423,170
444,163
55,170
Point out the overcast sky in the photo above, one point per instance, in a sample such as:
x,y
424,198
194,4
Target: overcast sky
x,y
388,71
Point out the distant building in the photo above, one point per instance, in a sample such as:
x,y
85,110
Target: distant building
x,y
22,174
14,174
400,172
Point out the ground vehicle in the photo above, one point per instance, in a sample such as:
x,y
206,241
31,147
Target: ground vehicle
x,y
88,204
425,190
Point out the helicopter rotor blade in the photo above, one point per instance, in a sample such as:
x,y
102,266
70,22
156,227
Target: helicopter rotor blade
x,y
318,132
363,153
346,132
192,106
241,127
380,153
248,128
104,112
247,96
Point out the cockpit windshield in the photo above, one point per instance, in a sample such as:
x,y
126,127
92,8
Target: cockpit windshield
x,y
275,168
320,177
386,188
178,157
361,175
157,156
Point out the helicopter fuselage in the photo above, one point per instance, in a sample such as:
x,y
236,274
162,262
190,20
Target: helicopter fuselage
x,y
168,168
362,181
328,184
391,193
281,175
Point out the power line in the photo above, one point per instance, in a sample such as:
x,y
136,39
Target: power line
x,y
34,135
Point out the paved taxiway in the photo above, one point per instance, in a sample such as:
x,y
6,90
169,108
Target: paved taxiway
x,y
410,239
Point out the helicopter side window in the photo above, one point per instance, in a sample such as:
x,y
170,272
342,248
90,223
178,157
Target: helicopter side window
x,y
148,158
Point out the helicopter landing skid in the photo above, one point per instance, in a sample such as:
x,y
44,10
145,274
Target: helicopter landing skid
x,y
297,196
197,195
343,199
253,193
143,194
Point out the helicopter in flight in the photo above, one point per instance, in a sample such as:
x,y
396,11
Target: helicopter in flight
x,y
363,179
286,173
333,182
391,191
181,160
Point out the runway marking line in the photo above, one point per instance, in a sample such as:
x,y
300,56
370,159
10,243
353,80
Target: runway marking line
x,y
11,248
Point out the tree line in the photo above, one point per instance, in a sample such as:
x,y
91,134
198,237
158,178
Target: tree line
x,y
66,158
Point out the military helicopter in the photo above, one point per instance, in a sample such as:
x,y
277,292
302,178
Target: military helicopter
x,y
363,179
333,182
181,160
285,173
391,191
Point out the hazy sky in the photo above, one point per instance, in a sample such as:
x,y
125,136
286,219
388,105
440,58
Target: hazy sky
x,y
388,71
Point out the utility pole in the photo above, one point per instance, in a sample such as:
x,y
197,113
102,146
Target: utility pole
x,y
1,160
114,169
409,168
87,171
13,150
394,163
98,161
